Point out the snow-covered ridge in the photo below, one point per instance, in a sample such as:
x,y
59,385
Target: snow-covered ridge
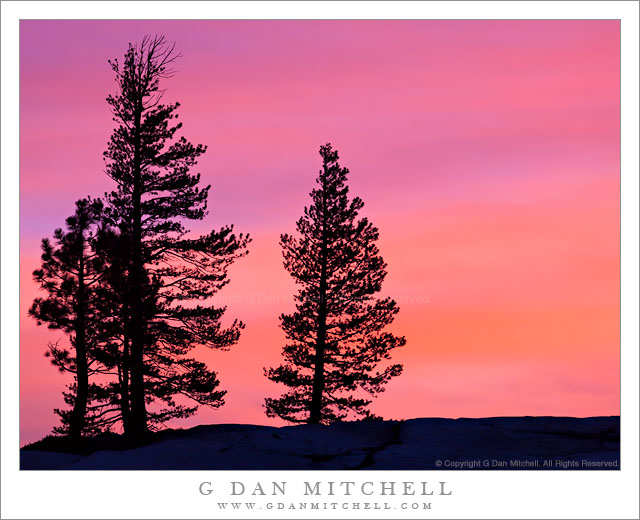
x,y
490,443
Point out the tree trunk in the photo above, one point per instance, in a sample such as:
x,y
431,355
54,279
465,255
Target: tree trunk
x,y
315,410
138,409
125,409
77,419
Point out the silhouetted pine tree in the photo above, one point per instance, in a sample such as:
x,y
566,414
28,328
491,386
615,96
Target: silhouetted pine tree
x,y
156,192
70,272
335,336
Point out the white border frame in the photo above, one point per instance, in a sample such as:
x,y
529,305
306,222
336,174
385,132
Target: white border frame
x,y
526,494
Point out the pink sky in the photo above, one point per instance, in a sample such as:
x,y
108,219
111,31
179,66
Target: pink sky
x,y
487,153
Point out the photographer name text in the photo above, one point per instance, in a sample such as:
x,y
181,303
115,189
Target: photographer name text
x,y
326,488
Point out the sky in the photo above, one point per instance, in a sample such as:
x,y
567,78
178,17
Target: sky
x,y
486,152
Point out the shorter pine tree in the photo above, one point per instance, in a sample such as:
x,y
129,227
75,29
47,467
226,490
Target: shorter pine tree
x,y
69,273
336,336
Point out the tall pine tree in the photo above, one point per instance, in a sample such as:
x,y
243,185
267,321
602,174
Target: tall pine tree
x,y
165,269
70,272
336,336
